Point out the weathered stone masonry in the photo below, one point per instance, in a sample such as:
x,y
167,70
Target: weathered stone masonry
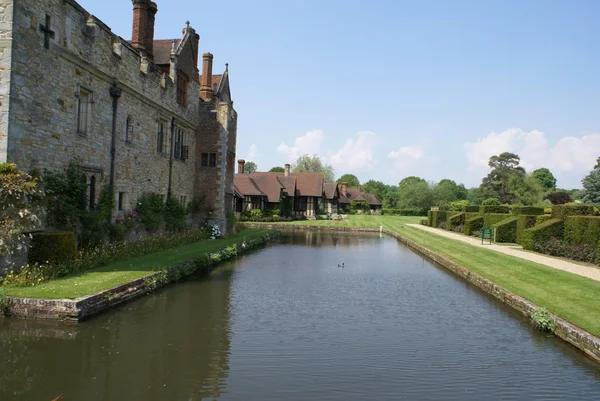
x,y
44,89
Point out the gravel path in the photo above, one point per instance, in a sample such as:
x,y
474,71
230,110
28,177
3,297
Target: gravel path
x,y
584,271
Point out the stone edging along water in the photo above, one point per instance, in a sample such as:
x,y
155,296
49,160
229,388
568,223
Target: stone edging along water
x,y
568,332
89,305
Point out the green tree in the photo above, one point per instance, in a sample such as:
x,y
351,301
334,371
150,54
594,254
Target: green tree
x,y
377,188
546,179
475,196
503,167
391,200
558,197
447,191
591,185
416,195
525,190
313,164
277,170
19,197
250,167
410,181
351,179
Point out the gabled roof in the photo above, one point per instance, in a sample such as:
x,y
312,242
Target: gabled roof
x,y
309,184
331,190
162,50
245,185
269,185
356,194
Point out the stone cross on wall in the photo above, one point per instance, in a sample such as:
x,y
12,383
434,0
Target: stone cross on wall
x,y
48,33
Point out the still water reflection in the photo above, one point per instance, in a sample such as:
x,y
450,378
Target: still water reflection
x,y
285,323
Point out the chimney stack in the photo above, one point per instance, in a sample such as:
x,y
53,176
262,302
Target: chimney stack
x,y
345,188
206,90
241,164
287,169
142,37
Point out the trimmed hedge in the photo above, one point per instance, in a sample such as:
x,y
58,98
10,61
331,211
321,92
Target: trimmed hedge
x,y
528,210
492,218
405,212
485,209
582,230
471,209
454,219
563,211
542,219
52,247
524,222
439,216
553,228
429,218
506,230
473,224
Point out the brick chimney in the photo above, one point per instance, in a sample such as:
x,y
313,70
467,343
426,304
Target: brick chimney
x,y
287,169
241,164
345,188
206,90
142,36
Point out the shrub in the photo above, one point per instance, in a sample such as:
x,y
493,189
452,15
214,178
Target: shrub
x,y
543,218
548,210
506,230
471,209
529,210
560,247
474,224
357,205
174,215
53,247
442,225
542,320
484,209
558,197
424,222
491,202
256,213
405,212
458,205
66,199
150,208
582,230
492,218
562,211
454,219
553,228
429,218
523,223
438,217
459,228
476,233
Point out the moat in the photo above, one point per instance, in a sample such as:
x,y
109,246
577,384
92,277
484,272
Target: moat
x,y
286,323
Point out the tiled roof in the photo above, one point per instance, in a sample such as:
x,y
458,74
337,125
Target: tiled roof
x,y
268,184
356,194
372,199
289,183
245,185
330,190
162,51
308,184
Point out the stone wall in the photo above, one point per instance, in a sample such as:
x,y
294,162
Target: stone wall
x,y
86,56
6,26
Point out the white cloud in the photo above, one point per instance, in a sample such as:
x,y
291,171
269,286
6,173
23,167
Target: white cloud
x,y
252,153
356,153
309,143
411,156
568,155
412,152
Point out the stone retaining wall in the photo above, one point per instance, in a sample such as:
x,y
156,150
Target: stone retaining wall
x,y
568,332
89,305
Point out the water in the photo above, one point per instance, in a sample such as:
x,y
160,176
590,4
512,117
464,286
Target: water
x,y
285,323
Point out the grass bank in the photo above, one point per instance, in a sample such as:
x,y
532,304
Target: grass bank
x,y
572,297
111,275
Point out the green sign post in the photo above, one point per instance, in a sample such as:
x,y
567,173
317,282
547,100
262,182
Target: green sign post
x,y
486,234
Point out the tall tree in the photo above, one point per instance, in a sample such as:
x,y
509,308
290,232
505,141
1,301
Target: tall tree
x,y
475,196
313,164
503,167
250,167
277,170
377,188
410,181
391,200
525,190
418,194
351,179
447,191
546,178
591,185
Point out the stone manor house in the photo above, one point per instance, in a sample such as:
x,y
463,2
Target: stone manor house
x,y
137,113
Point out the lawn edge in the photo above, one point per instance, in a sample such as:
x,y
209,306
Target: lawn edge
x,y
565,330
86,306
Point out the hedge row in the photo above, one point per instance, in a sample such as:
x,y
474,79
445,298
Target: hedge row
x,y
494,209
563,211
553,228
582,230
471,209
473,224
492,218
524,222
52,247
543,218
405,212
454,219
506,230
439,216
529,210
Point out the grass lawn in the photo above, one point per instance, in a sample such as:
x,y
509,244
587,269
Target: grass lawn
x,y
105,277
574,298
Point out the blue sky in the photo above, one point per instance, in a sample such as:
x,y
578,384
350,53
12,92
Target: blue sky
x,y
388,89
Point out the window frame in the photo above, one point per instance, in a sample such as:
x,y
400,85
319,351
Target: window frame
x,y
129,129
83,111
182,88
120,201
160,138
